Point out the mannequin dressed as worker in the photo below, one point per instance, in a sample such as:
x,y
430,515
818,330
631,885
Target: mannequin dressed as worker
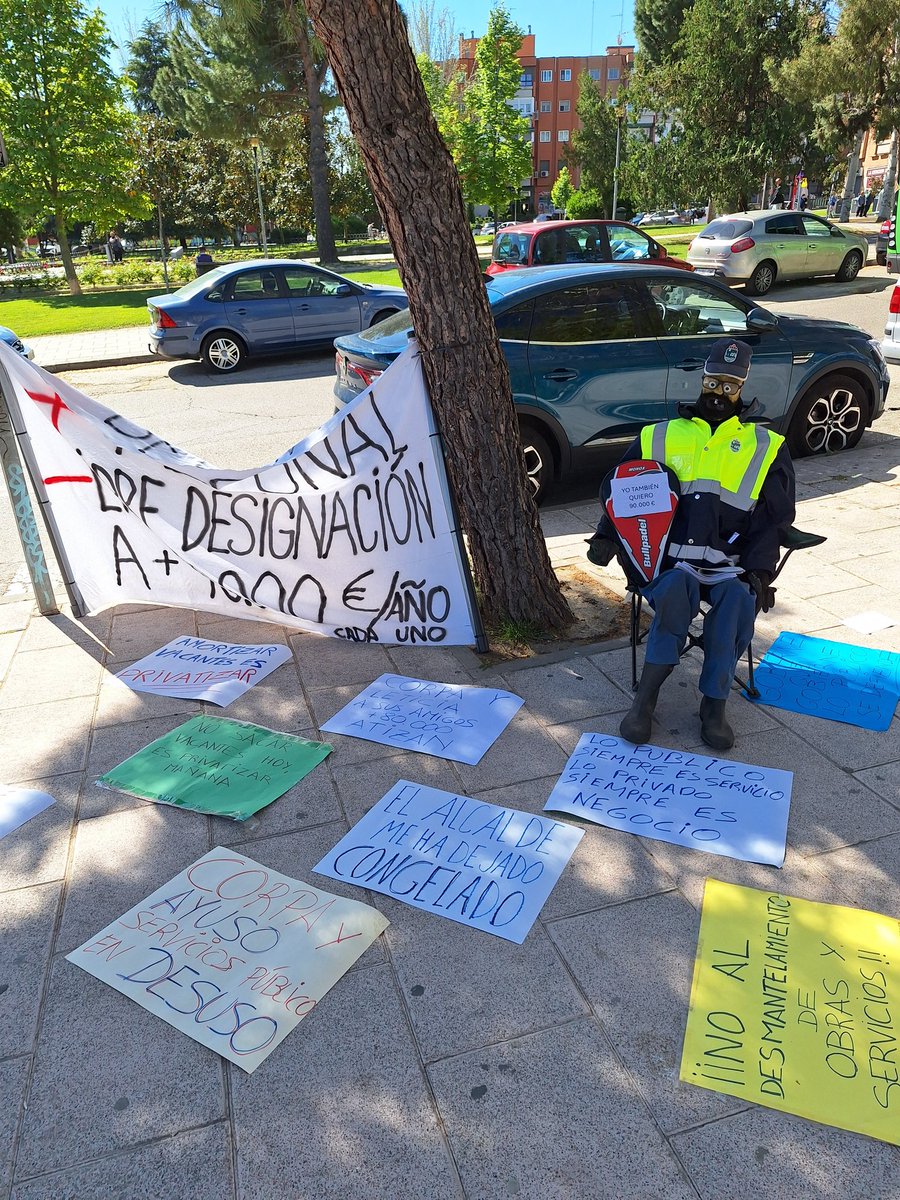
x,y
737,495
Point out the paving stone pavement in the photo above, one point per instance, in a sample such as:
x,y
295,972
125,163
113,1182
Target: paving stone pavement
x,y
446,1063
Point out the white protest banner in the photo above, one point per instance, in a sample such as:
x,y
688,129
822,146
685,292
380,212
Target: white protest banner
x,y
232,953
488,867
648,493
447,720
348,533
18,805
711,804
196,669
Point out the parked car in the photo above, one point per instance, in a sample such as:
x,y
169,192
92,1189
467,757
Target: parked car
x,y
597,352
883,240
263,306
890,347
759,247
669,216
11,339
537,244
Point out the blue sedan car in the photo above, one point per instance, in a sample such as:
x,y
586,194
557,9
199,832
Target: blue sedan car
x,y
11,339
597,352
263,306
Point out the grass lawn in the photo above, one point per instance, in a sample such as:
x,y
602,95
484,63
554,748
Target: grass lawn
x,y
62,313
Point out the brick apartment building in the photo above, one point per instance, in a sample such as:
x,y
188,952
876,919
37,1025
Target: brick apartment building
x,y
548,96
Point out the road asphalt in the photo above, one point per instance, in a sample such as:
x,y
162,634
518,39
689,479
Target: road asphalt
x,y
447,1063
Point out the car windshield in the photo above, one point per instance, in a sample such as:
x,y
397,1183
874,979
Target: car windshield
x,y
511,247
395,323
726,229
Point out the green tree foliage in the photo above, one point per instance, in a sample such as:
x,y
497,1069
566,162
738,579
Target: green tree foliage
x,y
446,96
732,134
11,231
656,174
587,202
62,111
593,147
657,25
148,53
494,153
562,190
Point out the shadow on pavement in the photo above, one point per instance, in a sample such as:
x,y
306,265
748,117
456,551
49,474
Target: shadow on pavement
x,y
274,369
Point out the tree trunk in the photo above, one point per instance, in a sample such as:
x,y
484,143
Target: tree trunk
x,y
318,155
889,183
852,172
417,190
65,251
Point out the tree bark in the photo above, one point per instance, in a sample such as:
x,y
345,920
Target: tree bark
x,y
852,172
889,183
417,190
65,252
318,152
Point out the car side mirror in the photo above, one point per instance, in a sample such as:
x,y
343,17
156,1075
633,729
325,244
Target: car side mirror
x,y
759,320
659,251
343,289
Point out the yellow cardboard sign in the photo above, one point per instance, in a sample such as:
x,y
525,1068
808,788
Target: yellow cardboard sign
x,y
796,1005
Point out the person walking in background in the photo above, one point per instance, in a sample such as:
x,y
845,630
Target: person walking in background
x,y
778,198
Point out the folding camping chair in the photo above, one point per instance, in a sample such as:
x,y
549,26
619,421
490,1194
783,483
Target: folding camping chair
x,y
791,539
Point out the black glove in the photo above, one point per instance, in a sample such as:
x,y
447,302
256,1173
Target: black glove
x,y
761,585
601,550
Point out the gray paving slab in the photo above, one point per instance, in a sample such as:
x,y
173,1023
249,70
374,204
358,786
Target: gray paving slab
x,y
522,1119
566,691
276,702
27,918
525,751
46,739
847,746
341,1111
431,662
634,963
360,785
809,577
135,634
465,988
13,1078
109,1075
16,614
9,643
606,868
239,631
36,852
118,704
195,1164
321,666
122,857
63,630
869,874
765,1153
885,780
313,801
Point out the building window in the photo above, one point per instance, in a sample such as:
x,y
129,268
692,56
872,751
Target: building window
x,y
612,73
545,135
560,163
546,106
546,76
594,73
526,79
565,76
544,168
564,105
563,135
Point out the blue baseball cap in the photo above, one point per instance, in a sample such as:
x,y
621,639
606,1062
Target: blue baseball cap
x,y
730,358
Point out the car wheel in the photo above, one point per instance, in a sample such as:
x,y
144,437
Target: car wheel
x,y
850,267
540,469
223,352
382,316
762,278
881,258
830,417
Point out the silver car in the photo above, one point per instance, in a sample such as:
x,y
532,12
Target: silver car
x,y
758,248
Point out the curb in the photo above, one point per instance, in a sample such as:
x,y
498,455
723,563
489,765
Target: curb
x,y
126,360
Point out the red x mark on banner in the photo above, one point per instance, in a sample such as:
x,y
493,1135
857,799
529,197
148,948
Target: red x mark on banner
x,y
55,401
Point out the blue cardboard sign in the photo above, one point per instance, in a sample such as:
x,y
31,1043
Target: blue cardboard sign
x,y
477,863
447,720
857,685
694,800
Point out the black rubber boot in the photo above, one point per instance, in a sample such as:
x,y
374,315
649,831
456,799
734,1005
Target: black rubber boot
x,y
714,729
637,722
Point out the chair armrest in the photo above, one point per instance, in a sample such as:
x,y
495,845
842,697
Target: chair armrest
x,y
793,538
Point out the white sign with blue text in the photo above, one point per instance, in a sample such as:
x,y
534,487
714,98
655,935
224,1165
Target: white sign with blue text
x,y
694,800
447,720
193,668
479,864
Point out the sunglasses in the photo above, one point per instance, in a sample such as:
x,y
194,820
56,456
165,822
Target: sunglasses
x,y
728,387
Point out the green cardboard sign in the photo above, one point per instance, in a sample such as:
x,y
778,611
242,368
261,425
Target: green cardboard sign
x,y
218,766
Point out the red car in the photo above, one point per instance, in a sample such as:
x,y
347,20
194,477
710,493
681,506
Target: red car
x,y
542,243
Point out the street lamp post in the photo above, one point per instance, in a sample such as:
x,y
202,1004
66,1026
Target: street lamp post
x,y
254,142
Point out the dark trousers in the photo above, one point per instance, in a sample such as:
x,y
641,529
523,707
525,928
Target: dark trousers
x,y
727,627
